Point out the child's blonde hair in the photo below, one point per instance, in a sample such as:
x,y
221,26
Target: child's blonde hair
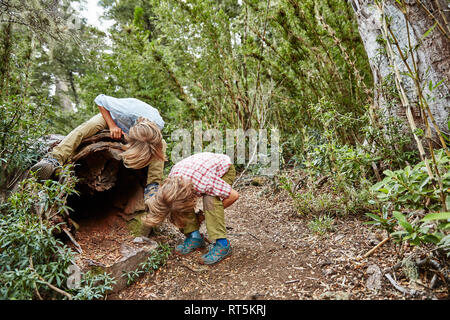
x,y
175,199
144,141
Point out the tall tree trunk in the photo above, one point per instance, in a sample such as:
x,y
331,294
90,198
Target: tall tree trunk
x,y
416,55
73,87
62,94
4,59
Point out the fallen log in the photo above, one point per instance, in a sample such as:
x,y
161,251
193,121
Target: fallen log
x,y
99,168
97,165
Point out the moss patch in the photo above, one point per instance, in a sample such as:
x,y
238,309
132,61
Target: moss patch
x,y
137,228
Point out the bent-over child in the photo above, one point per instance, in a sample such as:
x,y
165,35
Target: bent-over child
x,y
137,121
204,174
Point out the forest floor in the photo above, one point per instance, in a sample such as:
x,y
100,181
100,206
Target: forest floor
x,y
276,256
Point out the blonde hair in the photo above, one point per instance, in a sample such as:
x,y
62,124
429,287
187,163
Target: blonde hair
x,y
144,141
175,199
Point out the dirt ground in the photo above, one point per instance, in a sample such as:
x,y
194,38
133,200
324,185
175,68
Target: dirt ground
x,y
277,257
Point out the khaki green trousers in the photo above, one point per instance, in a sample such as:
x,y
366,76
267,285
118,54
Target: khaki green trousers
x,y
214,213
65,149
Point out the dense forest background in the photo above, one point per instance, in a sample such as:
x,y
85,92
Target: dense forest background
x,y
298,66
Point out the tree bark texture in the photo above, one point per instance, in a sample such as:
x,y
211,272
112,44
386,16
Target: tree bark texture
x,y
100,170
430,55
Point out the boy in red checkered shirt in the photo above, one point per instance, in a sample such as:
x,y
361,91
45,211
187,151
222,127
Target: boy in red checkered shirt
x,y
204,174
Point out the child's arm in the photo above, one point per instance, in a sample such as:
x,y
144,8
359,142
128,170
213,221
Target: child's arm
x,y
116,132
234,195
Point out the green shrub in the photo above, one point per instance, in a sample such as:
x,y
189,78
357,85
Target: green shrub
x,y
406,197
334,198
412,188
94,286
31,256
21,125
346,163
321,224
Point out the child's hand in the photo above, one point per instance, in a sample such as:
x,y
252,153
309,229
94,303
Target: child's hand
x,y
116,133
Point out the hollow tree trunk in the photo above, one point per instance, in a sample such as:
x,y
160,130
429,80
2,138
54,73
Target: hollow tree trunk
x,y
429,59
99,168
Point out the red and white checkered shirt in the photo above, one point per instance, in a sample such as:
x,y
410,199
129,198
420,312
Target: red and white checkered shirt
x,y
205,171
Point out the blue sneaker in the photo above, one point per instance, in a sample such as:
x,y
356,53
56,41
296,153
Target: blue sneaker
x,y
190,245
217,253
150,190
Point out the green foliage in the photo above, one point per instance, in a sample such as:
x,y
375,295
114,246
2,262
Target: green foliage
x,y
433,229
25,241
331,199
444,244
411,190
414,233
132,275
384,221
331,150
236,64
344,162
19,134
386,141
321,224
94,286
31,255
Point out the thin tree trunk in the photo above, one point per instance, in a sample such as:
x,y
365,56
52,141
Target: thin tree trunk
x,y
6,54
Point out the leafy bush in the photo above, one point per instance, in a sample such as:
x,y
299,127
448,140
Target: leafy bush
x,y
407,195
386,140
431,229
33,261
30,255
334,198
412,188
321,224
346,162
19,134
94,286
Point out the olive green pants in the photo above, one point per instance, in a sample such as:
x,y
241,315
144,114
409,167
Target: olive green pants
x,y
65,149
214,213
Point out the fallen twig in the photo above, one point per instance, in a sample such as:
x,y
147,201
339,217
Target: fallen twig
x,y
95,263
321,181
373,249
433,281
411,292
35,286
68,295
194,269
37,292
253,236
292,281
77,246
438,269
